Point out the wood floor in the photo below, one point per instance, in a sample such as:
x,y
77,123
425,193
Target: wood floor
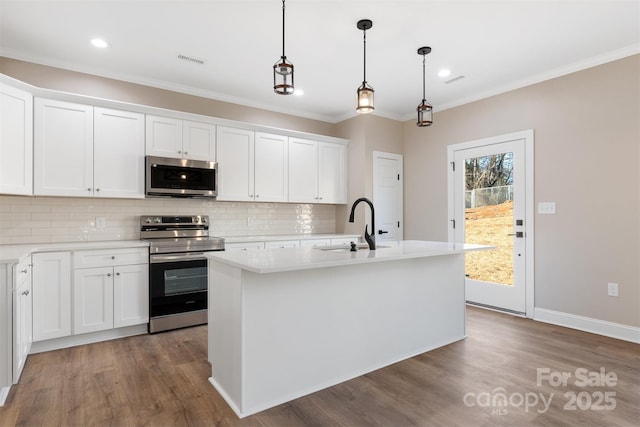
x,y
489,379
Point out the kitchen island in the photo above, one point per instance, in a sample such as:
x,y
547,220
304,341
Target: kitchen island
x,y
284,323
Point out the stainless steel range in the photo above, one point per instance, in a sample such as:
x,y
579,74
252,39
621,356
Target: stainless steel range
x,y
177,269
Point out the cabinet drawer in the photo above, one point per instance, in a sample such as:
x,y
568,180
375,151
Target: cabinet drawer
x,y
23,272
110,257
276,244
315,242
249,246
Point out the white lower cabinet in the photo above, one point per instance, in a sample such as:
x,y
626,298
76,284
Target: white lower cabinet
x,y
51,295
110,294
22,320
110,289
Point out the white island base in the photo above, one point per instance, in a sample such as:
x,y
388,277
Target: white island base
x,y
284,323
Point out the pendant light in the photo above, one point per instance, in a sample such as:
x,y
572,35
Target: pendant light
x,y
283,70
365,92
425,110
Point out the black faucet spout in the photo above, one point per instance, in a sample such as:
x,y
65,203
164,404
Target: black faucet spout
x,y
369,238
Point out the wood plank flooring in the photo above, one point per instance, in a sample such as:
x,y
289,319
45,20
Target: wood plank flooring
x,y
161,380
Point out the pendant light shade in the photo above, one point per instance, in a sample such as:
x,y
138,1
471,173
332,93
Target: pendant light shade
x,y
365,92
425,110
283,70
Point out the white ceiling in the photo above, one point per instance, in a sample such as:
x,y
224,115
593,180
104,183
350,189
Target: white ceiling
x,y
496,46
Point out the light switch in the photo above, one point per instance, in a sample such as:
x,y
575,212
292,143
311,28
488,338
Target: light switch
x,y
547,208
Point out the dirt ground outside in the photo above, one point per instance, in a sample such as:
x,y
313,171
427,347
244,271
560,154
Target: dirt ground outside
x,y
490,225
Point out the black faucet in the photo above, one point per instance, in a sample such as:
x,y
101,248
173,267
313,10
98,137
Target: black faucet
x,y
370,239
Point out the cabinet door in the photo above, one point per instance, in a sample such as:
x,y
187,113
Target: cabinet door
x,y
332,173
234,153
118,153
51,295
164,136
303,170
92,299
199,141
22,320
16,141
130,295
271,177
63,149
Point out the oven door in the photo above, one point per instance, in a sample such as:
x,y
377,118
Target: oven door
x,y
177,283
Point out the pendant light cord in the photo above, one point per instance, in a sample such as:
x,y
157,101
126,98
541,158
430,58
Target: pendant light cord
x,y
424,97
364,38
283,55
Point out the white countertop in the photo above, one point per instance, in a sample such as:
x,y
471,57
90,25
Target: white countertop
x,y
278,237
291,259
10,254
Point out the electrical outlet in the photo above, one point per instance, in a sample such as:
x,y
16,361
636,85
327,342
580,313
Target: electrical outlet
x,y
547,208
612,289
101,222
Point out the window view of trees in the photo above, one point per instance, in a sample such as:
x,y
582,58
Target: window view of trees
x,y
489,171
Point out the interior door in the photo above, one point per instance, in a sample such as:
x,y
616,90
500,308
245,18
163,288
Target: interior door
x,y
387,196
489,190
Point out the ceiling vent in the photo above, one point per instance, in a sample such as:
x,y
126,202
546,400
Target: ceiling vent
x,y
192,59
455,79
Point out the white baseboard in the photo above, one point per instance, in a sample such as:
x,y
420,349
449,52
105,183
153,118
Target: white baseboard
x,y
90,338
4,393
588,324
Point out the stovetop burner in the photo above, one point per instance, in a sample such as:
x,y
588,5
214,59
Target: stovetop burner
x,y
170,234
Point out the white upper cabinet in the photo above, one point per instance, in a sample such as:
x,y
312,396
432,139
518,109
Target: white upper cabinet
x,y
235,163
176,138
317,171
303,171
80,152
252,166
332,173
63,148
16,141
270,168
118,153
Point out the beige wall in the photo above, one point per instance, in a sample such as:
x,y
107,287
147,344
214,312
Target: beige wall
x,y
587,138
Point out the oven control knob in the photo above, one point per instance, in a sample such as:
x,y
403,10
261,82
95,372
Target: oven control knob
x,y
204,219
157,220
147,220
195,220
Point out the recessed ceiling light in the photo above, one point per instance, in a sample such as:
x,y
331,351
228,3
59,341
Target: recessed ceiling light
x,y
444,73
298,92
99,43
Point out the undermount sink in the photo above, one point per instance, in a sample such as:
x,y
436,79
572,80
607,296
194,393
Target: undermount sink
x,y
347,248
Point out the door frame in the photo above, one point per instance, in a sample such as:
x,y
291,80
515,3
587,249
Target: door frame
x,y
400,208
528,136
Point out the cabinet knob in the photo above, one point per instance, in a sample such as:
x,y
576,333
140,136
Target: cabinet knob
x,y
108,274
117,274
179,151
23,271
89,189
97,189
257,195
186,152
113,257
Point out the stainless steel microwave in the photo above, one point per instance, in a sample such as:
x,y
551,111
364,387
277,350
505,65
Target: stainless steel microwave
x,y
167,177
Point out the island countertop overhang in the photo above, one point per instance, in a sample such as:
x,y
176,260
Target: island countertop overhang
x,y
293,259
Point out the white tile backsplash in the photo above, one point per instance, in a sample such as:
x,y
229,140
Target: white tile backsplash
x,y
64,219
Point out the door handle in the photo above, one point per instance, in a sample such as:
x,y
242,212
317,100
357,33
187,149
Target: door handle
x,y
382,232
517,234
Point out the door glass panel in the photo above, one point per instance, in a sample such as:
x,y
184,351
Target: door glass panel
x,y
489,217
184,280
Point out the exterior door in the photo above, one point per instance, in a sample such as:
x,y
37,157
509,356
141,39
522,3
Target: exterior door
x,y
490,207
387,196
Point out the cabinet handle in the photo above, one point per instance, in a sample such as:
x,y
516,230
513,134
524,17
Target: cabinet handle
x,y
23,271
113,257
25,293
108,274
97,189
89,189
186,152
257,195
117,274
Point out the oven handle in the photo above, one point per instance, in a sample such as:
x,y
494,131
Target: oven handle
x,y
191,256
